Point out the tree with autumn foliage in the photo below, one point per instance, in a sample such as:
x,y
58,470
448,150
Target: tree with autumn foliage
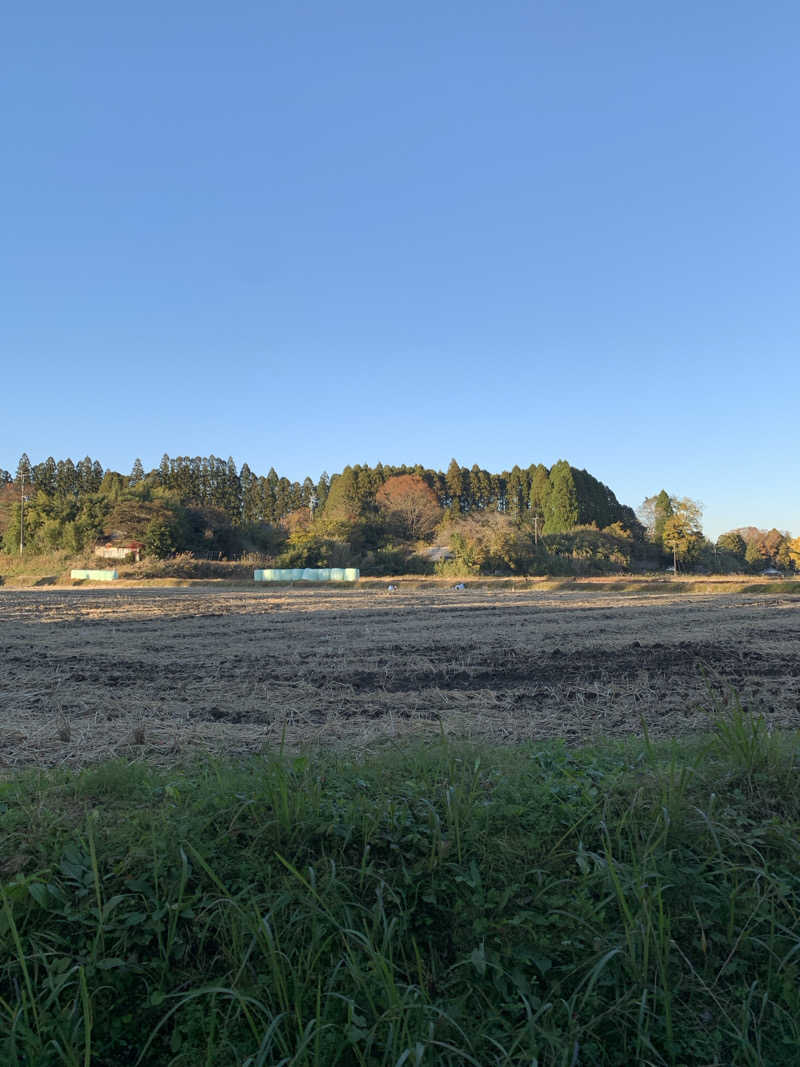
x,y
408,506
682,534
792,550
489,544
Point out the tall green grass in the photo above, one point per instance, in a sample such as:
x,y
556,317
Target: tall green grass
x,y
440,905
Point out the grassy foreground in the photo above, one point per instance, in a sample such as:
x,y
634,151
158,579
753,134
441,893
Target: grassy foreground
x,y
445,905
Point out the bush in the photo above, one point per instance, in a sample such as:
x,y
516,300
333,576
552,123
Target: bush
x,y
308,549
386,561
159,540
186,565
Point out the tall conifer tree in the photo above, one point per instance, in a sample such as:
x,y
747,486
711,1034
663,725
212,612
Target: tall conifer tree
x,y
562,502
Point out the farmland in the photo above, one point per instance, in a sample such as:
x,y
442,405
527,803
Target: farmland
x,y
162,673
437,877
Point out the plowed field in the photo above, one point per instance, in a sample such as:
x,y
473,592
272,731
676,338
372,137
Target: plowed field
x,y
86,674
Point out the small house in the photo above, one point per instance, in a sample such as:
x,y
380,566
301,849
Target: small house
x,y
119,548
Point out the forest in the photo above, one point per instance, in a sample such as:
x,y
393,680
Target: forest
x,y
384,519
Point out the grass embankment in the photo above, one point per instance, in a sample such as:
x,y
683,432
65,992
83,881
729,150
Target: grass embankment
x,y
645,584
53,569
19,570
422,906
43,571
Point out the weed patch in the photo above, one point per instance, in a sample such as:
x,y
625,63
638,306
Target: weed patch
x,y
441,904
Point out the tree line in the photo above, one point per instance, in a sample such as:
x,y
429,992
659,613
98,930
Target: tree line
x,y
673,524
383,518
557,498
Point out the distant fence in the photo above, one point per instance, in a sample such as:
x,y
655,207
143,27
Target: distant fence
x,y
307,574
94,576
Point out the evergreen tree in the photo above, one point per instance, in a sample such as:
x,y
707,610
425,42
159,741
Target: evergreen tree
x,y
249,490
282,498
137,473
438,483
594,500
24,471
379,476
218,470
266,503
67,480
159,540
84,473
663,510
271,502
479,488
344,503
204,479
180,479
44,475
323,486
295,496
562,501
456,487
233,491
516,494
97,475
196,468
112,485
538,497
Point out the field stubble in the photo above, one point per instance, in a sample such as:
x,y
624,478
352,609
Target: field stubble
x,y
158,674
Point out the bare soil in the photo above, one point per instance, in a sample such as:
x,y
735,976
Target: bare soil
x,y
159,673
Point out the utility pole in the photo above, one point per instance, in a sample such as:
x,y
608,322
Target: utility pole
x,y
22,514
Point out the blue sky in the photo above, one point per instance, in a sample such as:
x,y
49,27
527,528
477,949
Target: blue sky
x,y
312,234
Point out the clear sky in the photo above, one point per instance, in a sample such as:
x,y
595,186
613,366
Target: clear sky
x,y
311,234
